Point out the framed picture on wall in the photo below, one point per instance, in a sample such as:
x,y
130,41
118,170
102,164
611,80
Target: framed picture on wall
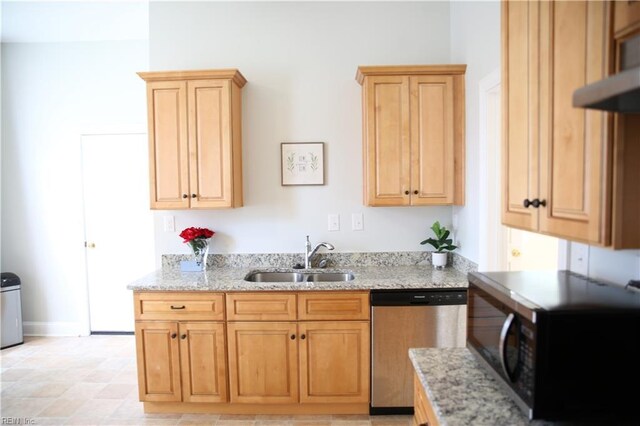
x,y
302,163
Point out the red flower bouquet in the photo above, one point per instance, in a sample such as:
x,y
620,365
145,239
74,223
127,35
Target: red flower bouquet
x,y
198,240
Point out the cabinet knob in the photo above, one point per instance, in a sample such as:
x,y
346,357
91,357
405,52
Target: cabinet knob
x,y
304,336
174,335
293,337
406,192
526,203
193,195
184,336
184,195
537,203
415,192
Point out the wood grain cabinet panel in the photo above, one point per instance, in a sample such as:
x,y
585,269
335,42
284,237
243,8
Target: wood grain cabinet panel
x,y
333,306
195,141
158,361
559,161
413,141
180,306
424,414
261,306
203,362
263,362
334,362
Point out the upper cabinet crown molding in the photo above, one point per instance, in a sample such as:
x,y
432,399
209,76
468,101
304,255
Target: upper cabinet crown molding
x,y
370,70
413,134
226,74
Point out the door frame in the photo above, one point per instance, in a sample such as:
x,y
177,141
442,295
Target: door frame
x,y
493,238
84,313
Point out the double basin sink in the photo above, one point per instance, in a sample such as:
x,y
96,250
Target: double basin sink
x,y
298,277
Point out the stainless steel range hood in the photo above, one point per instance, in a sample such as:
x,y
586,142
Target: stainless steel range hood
x,y
621,91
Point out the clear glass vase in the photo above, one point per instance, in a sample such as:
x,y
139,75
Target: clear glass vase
x,y
200,248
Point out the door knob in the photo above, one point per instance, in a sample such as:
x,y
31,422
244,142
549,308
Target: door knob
x,y
537,203
515,252
406,192
526,203
89,245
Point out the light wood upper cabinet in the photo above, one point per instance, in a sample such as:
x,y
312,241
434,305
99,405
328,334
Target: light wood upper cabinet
x,y
556,158
413,134
195,141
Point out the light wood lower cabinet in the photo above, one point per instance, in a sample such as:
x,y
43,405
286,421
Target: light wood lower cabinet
x,y
424,415
283,352
181,361
334,361
263,362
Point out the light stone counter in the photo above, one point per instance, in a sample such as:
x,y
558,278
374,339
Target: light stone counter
x,y
462,393
366,278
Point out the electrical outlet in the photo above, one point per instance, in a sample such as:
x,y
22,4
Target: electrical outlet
x,y
169,224
356,222
334,222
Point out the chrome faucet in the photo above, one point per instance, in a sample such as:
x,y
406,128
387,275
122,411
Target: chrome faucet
x,y
309,252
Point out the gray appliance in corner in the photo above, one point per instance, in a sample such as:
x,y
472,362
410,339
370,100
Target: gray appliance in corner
x,y
404,319
11,310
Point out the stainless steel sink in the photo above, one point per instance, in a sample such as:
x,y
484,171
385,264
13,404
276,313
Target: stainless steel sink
x,y
298,277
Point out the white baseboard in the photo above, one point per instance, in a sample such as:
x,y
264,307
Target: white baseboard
x,y
34,328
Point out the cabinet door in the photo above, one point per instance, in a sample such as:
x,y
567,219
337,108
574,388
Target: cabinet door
x,y
573,141
202,355
334,362
432,148
158,361
520,79
168,146
387,144
210,144
263,362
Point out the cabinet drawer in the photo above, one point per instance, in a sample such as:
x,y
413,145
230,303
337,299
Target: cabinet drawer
x,y
179,306
333,306
261,306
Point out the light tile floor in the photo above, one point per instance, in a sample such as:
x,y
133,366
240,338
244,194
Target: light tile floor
x,y
92,381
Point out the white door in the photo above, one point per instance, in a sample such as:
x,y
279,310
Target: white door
x,y
530,251
118,225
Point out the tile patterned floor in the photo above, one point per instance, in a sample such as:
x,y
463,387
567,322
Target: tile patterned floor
x,y
93,381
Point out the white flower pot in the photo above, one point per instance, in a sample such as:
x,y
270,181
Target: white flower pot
x,y
439,260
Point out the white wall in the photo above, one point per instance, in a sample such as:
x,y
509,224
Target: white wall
x,y
475,40
300,60
51,92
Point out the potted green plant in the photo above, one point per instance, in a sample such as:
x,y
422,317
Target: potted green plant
x,y
442,243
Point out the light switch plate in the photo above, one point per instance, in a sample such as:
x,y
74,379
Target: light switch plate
x,y
169,224
334,222
357,223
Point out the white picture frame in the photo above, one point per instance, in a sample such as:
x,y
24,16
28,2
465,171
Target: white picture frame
x,y
302,163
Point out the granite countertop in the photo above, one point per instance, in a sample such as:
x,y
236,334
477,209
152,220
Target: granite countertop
x,y
460,392
366,278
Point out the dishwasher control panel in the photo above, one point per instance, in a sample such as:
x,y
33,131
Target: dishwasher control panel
x,y
418,297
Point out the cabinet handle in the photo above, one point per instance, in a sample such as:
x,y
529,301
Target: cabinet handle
x,y
293,337
184,195
193,195
177,307
303,337
415,192
406,192
537,203
184,336
174,335
526,203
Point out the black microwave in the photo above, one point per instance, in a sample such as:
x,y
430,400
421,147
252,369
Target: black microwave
x,y
564,347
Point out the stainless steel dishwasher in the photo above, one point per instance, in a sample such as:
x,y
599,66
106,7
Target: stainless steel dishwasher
x,y
403,319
